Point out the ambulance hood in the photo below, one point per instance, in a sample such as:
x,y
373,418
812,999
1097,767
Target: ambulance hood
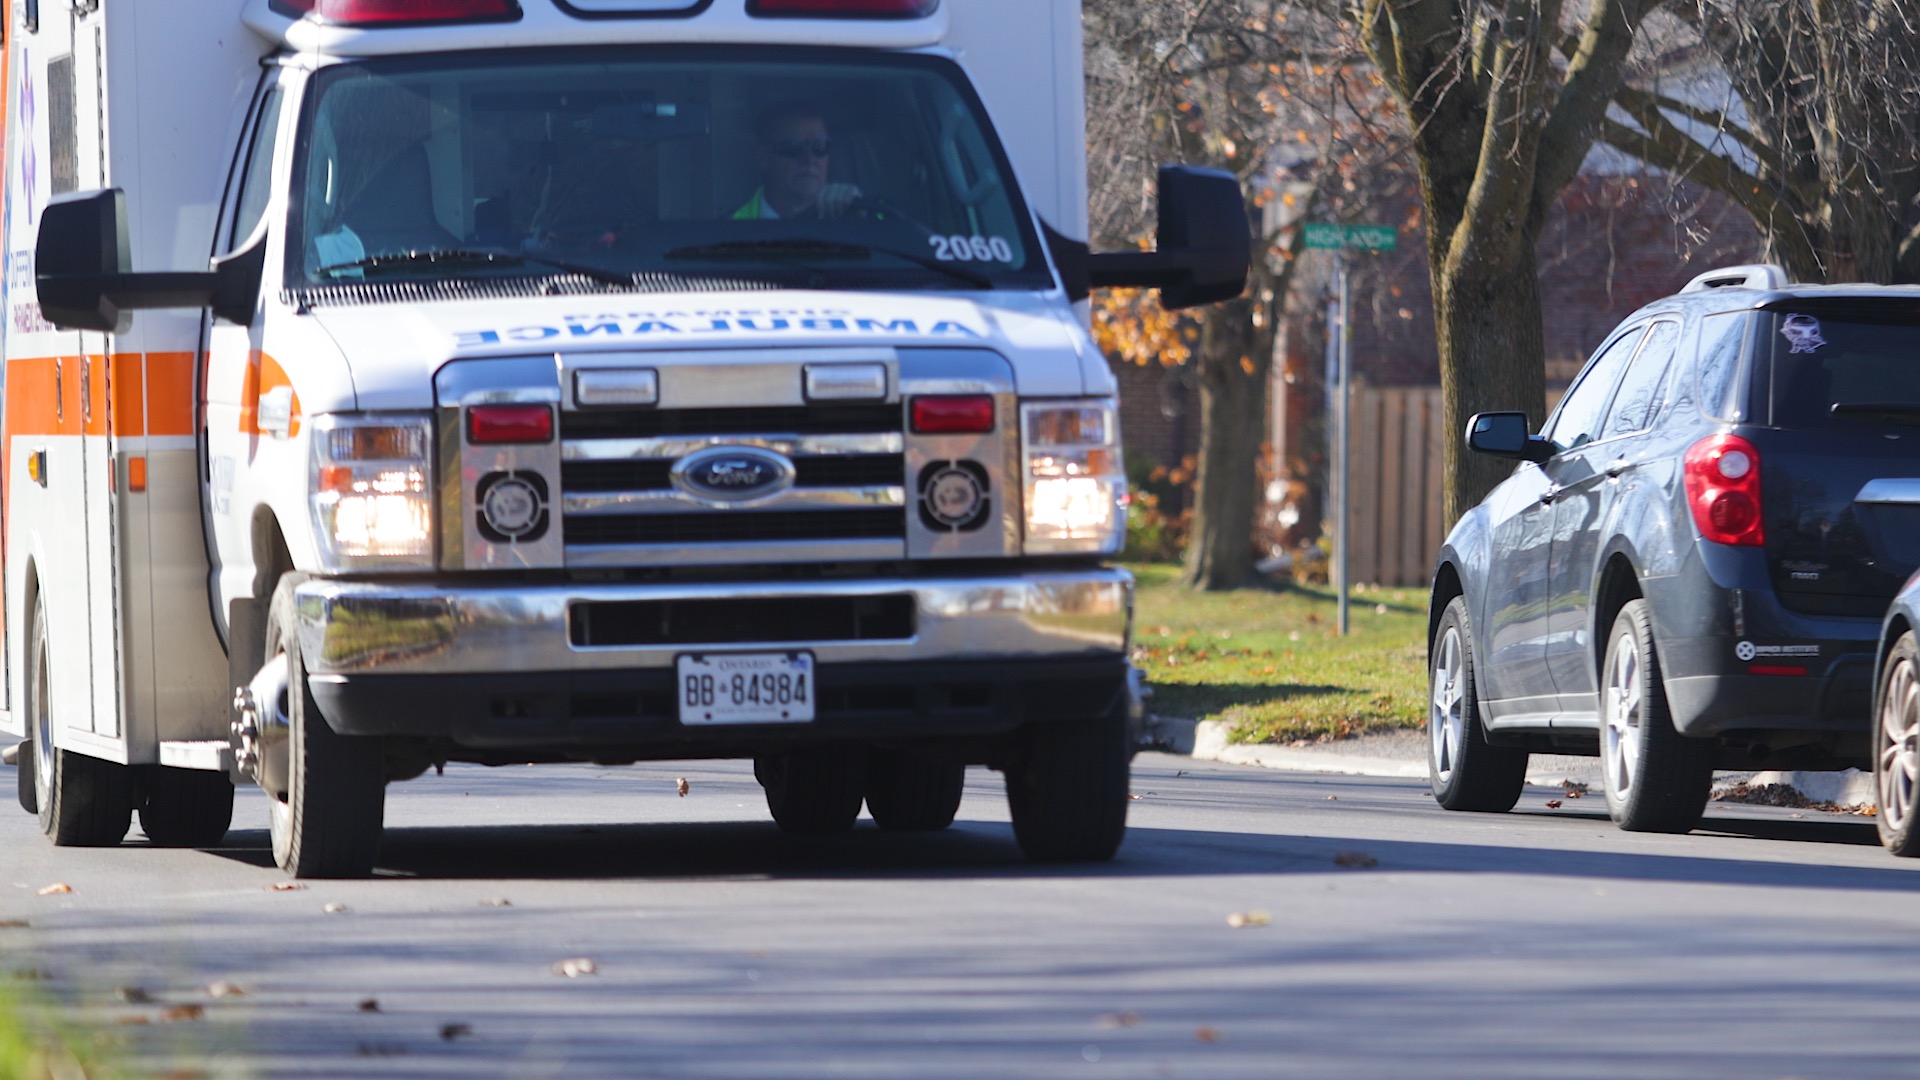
x,y
394,350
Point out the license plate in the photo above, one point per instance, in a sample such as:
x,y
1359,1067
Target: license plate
x,y
745,688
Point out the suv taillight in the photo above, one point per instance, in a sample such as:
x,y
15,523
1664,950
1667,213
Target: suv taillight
x,y
1723,490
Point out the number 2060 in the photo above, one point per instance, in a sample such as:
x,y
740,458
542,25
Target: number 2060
x,y
971,248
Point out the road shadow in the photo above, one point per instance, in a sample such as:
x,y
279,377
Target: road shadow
x,y
1199,699
982,850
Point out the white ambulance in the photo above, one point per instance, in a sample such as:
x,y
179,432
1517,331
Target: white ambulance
x,y
521,381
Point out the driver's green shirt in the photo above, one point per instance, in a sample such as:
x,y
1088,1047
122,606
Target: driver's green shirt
x,y
756,209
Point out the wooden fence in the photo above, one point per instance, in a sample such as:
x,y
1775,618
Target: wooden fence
x,y
1396,510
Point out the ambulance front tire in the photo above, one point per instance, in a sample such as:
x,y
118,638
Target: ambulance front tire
x,y
327,823
185,807
1068,791
80,801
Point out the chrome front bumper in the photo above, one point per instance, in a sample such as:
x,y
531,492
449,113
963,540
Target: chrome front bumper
x,y
379,628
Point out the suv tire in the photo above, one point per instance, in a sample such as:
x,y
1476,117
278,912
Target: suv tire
x,y
1467,772
1896,750
1657,779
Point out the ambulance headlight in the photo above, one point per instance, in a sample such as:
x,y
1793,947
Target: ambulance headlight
x,y
373,492
1076,486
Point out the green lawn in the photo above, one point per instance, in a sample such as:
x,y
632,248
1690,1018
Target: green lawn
x,y
1268,659
34,1047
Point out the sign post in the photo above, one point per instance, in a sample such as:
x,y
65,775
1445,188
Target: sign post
x,y
1340,239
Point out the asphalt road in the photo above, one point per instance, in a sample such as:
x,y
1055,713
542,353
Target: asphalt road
x,y
1537,944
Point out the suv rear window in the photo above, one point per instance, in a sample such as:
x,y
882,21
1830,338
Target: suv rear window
x,y
1848,370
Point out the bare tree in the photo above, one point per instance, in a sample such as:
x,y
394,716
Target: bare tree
x,y
1268,90
1804,113
1502,118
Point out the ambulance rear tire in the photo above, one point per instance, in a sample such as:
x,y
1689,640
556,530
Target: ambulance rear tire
x,y
814,791
23,778
81,801
187,808
910,793
327,823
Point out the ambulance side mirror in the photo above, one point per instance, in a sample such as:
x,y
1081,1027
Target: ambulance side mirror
x,y
1205,243
82,270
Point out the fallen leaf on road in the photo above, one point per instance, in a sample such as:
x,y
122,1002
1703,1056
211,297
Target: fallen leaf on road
x,y
1355,860
1553,804
31,975
1131,797
132,1020
370,1005
1333,798
1574,793
1240,920
225,989
1207,1034
334,908
181,1013
59,888
285,886
133,995
1119,1020
576,967
496,902
14,924
450,1032
682,786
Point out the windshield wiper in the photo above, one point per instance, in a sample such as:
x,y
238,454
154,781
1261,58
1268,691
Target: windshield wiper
x,y
806,248
480,257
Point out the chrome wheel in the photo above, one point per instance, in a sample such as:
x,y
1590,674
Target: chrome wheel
x,y
1446,711
1620,730
1899,746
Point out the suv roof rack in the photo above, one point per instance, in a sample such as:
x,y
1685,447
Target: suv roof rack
x,y
1750,276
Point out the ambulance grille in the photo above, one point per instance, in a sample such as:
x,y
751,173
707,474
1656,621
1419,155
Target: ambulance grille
x,y
847,500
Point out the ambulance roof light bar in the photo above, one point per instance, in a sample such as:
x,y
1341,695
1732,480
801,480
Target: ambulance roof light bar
x,y
842,9
360,13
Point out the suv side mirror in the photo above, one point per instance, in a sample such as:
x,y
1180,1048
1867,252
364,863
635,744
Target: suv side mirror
x,y
83,276
1505,434
1205,243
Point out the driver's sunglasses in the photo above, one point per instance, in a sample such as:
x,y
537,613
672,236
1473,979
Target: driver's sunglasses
x,y
799,148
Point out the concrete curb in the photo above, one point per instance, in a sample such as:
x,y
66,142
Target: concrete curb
x,y
1210,740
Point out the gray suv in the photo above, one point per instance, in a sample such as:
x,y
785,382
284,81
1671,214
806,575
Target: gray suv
x,y
1689,566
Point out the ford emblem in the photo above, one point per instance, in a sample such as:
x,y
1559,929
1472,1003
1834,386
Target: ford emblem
x,y
733,474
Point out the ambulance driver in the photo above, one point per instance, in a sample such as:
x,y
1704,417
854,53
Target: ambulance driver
x,y
794,151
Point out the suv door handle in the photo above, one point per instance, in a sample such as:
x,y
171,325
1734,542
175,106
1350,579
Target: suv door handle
x,y
1617,466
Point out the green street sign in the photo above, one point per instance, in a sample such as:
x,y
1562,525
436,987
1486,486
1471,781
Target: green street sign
x,y
1326,235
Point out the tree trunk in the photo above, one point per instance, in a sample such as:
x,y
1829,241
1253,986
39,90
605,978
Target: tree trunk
x,y
1232,372
1490,348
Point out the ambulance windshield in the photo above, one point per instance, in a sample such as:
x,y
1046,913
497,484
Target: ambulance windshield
x,y
654,169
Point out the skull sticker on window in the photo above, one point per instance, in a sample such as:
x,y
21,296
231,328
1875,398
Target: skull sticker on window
x,y
1803,334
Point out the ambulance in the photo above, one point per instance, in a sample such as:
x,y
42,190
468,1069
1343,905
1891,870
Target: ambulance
x,y
391,383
